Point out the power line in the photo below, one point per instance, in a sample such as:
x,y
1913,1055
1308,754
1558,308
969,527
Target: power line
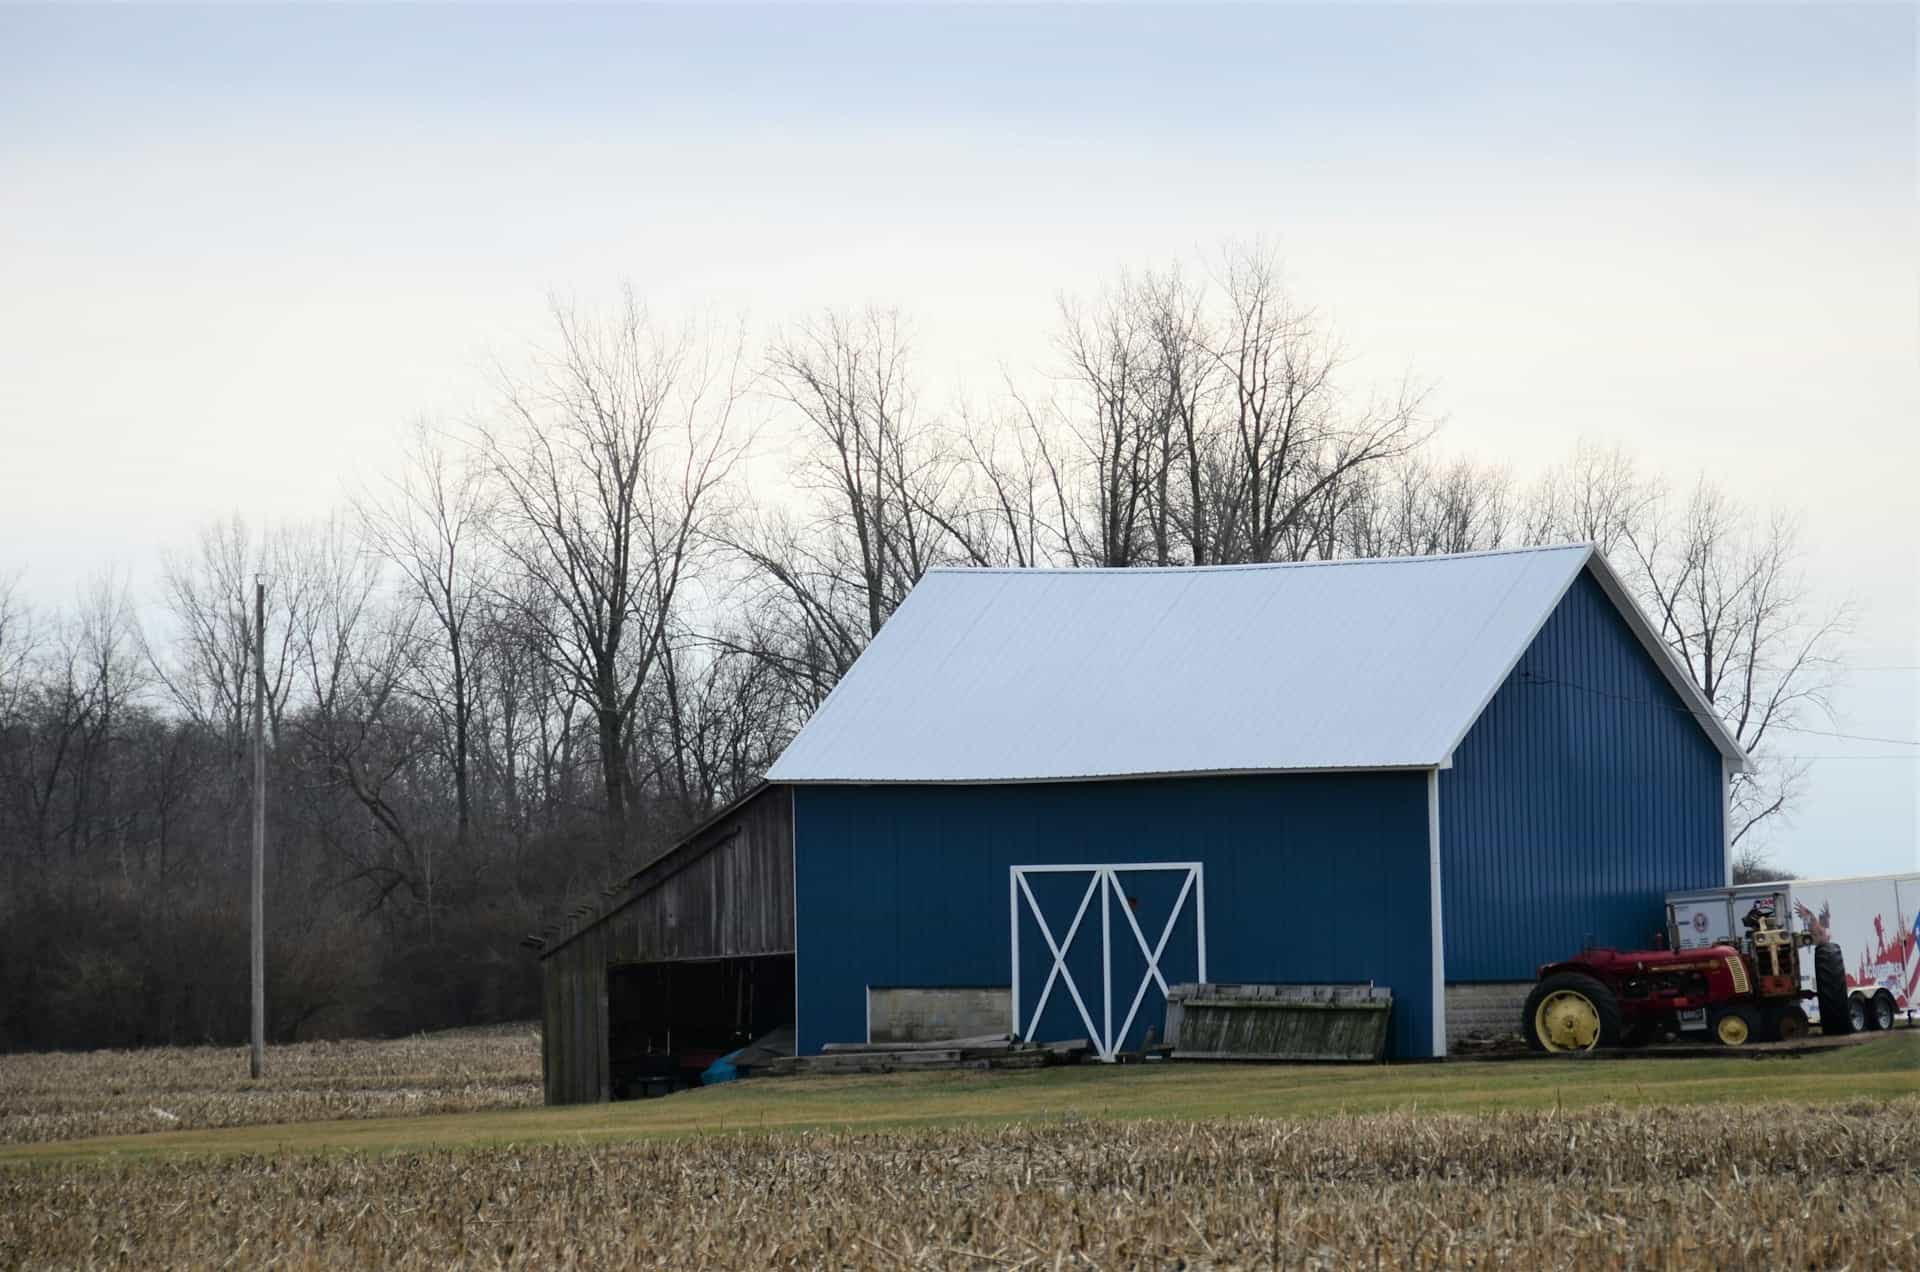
x,y
1531,678
1848,737
1910,759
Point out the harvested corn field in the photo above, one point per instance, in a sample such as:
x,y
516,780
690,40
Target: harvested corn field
x,y
69,1095
1726,1187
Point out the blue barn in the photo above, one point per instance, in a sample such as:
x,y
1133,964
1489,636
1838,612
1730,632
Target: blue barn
x,y
1040,796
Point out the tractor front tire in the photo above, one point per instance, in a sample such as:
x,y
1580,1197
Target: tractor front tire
x,y
1569,1012
1735,1026
1830,986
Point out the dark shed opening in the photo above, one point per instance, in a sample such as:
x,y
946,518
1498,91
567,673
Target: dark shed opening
x,y
666,1022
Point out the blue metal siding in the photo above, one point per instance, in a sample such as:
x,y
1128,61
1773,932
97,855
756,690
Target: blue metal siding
x,y
1583,793
1308,878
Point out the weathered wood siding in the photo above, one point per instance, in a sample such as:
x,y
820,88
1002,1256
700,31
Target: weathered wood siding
x,y
726,891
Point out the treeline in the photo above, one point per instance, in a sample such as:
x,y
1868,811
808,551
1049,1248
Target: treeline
x,y
546,640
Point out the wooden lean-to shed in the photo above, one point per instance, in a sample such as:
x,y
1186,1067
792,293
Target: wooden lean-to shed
x,y
677,964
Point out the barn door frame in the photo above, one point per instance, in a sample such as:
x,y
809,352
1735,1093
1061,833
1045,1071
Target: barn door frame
x,y
1104,883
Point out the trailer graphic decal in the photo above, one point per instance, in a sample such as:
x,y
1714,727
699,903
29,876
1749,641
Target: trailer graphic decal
x,y
1874,961
1821,924
1891,966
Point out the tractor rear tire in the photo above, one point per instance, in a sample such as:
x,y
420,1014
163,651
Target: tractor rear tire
x,y
1571,996
1734,1026
1786,1024
1830,986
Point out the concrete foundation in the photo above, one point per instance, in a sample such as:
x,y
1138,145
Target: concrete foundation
x,y
1490,1010
905,1014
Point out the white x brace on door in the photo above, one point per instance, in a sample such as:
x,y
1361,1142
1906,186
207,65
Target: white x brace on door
x,y
1104,884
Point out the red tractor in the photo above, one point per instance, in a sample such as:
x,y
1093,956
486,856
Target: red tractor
x,y
1737,993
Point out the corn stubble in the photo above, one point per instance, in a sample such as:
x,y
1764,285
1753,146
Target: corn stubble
x,y
1663,1188
59,1096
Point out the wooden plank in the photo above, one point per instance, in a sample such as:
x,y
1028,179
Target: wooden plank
x,y
1278,1022
1246,1004
1278,1057
984,1040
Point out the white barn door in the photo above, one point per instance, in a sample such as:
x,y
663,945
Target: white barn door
x,y
1107,993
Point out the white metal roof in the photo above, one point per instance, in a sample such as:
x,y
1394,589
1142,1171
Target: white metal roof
x,y
1053,675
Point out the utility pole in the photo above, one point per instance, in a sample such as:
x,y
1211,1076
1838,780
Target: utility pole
x,y
257,1062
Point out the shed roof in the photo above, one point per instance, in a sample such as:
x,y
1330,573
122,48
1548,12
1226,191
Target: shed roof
x,y
1060,675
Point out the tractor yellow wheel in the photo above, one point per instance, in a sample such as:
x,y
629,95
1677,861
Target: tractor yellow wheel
x,y
1570,1012
1734,1027
1567,1020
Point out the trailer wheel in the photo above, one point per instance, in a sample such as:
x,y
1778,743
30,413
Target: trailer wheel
x,y
1856,1013
1830,982
1571,1012
1735,1026
1879,1011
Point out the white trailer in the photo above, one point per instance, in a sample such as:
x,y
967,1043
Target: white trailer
x,y
1872,918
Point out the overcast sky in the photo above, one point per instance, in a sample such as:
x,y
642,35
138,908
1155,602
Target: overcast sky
x,y
239,248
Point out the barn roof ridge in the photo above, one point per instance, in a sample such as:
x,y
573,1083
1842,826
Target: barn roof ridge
x,y
1082,571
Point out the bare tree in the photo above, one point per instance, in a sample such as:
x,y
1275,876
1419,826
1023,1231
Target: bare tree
x,y
1205,425
1010,506
526,723
1416,507
203,659
18,641
106,649
1174,316
721,718
871,465
806,610
883,500
428,520
1726,590
207,595
352,647
1124,427
1598,496
1291,435
607,465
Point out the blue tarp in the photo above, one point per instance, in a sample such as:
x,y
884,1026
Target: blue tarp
x,y
720,1070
